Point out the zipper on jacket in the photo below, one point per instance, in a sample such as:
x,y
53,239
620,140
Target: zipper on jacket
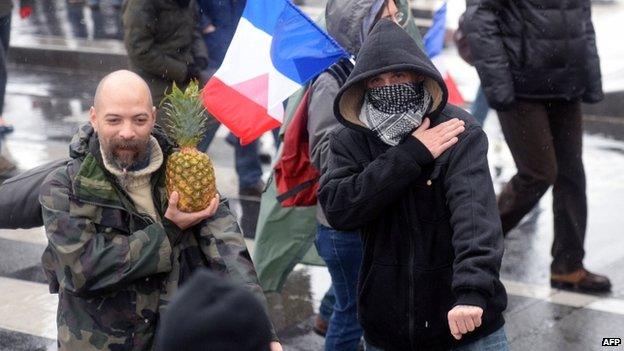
x,y
411,303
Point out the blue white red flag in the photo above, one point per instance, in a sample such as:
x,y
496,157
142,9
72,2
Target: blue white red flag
x,y
276,49
434,44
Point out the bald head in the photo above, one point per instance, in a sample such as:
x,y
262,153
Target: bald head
x,y
123,116
121,82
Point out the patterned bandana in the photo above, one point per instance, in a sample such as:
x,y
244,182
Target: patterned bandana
x,y
394,111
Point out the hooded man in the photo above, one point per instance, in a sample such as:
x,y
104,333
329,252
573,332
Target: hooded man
x,y
118,247
422,199
349,22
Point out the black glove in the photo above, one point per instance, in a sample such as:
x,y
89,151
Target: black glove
x,y
192,72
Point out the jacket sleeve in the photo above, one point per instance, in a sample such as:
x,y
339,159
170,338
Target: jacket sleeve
x,y
139,19
321,120
593,77
86,261
477,233
489,56
223,231
352,194
199,46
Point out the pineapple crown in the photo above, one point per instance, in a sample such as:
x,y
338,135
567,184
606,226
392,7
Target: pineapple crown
x,y
186,117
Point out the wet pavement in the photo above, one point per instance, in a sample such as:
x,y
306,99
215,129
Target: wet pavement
x,y
47,104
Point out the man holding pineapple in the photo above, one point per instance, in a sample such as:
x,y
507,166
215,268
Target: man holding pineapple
x,y
120,241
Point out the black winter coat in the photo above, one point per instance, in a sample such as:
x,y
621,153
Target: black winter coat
x,y
534,49
431,233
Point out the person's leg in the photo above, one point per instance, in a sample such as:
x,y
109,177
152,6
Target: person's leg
x,y
527,133
480,107
342,252
497,341
75,16
99,30
326,309
569,200
570,203
248,167
211,130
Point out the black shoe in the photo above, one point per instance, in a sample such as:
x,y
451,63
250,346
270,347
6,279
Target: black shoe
x,y
581,280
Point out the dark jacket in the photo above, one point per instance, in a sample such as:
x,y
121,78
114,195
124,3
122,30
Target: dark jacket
x,y
224,15
534,50
431,232
345,21
114,268
162,40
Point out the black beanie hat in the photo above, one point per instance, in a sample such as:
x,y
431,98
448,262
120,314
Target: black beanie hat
x,y
212,313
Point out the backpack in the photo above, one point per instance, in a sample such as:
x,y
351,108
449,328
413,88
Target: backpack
x,y
296,178
19,197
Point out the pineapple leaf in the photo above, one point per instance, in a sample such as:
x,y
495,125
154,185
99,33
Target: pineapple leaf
x,y
186,116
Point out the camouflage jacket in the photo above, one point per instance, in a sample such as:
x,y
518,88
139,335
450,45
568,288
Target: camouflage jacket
x,y
115,269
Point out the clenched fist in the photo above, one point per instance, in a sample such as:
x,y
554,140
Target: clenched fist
x,y
463,319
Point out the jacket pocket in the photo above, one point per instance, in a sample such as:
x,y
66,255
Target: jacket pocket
x,y
434,299
383,302
430,197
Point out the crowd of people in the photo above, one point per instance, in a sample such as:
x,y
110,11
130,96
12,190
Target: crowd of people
x,y
406,220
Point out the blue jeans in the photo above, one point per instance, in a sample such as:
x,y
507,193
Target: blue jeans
x,y
497,341
327,304
342,252
480,108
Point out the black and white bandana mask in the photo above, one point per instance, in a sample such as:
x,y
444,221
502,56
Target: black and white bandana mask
x,y
393,111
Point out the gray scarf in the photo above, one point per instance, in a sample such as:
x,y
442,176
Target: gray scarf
x,y
394,111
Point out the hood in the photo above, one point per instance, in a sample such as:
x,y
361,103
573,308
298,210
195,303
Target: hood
x,y
387,48
346,21
81,142
350,21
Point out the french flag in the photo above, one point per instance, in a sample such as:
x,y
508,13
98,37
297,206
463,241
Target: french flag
x,y
276,49
434,43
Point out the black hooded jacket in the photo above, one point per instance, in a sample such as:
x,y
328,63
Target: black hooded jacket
x,y
535,50
431,232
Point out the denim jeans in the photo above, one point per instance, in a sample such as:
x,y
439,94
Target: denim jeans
x,y
480,107
497,341
327,304
342,252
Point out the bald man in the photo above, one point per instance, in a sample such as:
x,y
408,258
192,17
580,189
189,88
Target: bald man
x,y
118,248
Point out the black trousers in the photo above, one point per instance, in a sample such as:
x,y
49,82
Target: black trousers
x,y
545,139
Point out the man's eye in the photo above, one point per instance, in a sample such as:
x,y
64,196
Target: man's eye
x,y
112,120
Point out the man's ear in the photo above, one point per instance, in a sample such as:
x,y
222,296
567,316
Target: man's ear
x,y
93,118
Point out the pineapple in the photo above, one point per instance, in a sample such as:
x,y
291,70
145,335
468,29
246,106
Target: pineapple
x,y
189,171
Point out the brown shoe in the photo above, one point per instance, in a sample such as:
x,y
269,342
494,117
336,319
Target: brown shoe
x,y
581,280
320,325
